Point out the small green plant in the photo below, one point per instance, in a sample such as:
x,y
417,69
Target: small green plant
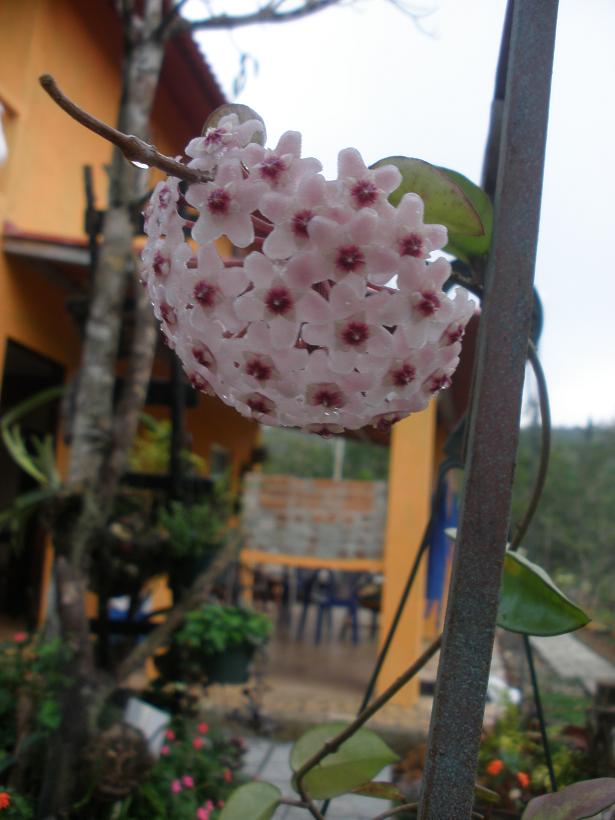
x,y
193,531
197,769
215,628
512,760
31,681
14,806
151,450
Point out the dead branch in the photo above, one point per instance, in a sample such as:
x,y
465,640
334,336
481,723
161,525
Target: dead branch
x,y
133,148
265,14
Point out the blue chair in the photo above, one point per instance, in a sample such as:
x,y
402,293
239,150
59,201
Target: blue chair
x,y
326,589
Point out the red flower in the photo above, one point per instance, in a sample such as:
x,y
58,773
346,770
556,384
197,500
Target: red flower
x,y
495,767
523,779
20,637
198,743
202,728
228,776
5,800
169,734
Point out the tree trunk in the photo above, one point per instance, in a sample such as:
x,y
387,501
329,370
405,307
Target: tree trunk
x,y
100,441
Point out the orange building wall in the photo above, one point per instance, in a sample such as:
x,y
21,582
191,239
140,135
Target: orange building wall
x,y
41,184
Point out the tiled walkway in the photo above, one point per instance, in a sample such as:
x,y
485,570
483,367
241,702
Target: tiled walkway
x,y
268,761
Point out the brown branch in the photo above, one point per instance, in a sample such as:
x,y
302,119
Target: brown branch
x,y
133,148
196,595
333,745
266,14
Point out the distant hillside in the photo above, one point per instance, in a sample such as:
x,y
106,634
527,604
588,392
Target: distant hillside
x,y
292,452
573,534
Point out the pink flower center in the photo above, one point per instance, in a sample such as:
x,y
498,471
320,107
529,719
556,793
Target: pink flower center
x,y
438,381
411,245
206,294
272,168
453,333
364,193
204,356
355,334
428,303
214,137
199,383
168,313
300,221
325,395
403,375
279,300
259,369
259,403
218,202
160,264
349,258
385,421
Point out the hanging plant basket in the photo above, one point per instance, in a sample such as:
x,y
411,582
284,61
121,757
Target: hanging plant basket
x,y
230,666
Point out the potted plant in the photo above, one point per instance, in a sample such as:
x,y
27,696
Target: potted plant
x,y
218,642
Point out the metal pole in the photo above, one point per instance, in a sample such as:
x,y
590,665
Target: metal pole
x,y
456,721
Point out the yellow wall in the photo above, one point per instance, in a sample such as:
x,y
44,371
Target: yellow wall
x,y
41,184
41,188
410,483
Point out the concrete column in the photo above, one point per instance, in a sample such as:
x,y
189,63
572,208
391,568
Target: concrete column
x,y
410,484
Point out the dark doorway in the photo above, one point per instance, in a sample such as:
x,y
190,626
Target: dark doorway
x,y
26,373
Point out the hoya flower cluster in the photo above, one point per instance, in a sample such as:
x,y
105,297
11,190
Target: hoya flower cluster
x,y
303,328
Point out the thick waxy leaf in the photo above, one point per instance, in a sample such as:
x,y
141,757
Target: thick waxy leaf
x,y
445,201
464,246
575,802
356,761
485,794
531,603
381,790
258,801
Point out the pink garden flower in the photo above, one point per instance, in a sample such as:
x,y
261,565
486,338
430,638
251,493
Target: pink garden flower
x,y
169,734
198,743
165,750
188,781
202,728
337,317
176,786
20,637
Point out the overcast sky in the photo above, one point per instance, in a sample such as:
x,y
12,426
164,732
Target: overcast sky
x,y
366,75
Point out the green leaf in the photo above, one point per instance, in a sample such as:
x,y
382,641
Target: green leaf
x,y
258,801
485,794
381,790
356,761
575,802
531,603
446,203
465,246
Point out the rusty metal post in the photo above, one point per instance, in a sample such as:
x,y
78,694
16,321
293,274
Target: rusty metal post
x,y
448,784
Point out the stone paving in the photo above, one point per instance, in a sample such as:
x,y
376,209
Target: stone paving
x,y
571,659
268,761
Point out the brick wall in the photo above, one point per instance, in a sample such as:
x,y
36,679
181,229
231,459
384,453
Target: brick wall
x,y
321,517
